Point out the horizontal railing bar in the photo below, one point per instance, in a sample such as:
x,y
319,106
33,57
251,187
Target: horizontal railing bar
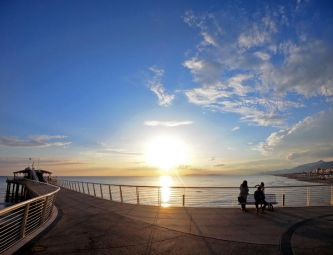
x,y
32,227
10,222
10,237
9,229
19,220
11,214
32,223
31,216
13,207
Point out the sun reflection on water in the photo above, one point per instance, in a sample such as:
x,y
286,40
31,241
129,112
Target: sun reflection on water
x,y
165,183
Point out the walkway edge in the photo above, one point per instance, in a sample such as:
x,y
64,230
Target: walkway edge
x,y
30,237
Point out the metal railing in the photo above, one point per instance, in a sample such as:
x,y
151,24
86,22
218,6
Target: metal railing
x,y
22,219
285,196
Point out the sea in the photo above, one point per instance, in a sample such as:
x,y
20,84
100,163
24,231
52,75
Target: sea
x,y
179,181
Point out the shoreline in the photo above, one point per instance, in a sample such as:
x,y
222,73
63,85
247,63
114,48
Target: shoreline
x,y
301,177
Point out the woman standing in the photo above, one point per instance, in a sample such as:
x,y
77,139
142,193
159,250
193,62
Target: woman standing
x,y
244,191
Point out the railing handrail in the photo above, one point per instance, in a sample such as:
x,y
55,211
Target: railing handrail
x,y
307,195
196,187
18,205
24,218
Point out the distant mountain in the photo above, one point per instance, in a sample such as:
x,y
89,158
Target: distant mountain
x,y
305,167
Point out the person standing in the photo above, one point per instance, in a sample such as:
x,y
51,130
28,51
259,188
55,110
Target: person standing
x,y
244,191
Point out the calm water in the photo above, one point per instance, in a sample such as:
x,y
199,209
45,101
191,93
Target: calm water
x,y
200,181
211,181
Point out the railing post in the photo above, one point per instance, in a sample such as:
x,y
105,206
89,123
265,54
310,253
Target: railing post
x,y
159,196
121,194
94,189
78,184
137,195
307,196
84,192
24,220
283,200
183,200
110,192
331,194
100,187
88,188
44,210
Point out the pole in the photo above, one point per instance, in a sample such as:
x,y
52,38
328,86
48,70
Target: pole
x,y
100,187
110,192
137,195
121,194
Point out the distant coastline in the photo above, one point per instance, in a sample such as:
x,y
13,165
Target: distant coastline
x,y
305,178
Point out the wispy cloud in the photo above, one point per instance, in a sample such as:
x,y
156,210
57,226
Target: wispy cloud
x,y
155,123
235,128
118,151
257,33
155,85
255,70
34,141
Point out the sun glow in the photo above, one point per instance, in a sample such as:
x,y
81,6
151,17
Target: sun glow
x,y
165,183
166,152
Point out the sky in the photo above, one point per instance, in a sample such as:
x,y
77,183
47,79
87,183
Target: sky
x,y
140,87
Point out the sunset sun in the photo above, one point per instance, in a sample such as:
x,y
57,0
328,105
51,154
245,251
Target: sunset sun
x,y
166,152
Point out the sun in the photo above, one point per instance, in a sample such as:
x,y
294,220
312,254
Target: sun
x,y
166,152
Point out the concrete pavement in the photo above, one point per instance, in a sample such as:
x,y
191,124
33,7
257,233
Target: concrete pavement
x,y
88,225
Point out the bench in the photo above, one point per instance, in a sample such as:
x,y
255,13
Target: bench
x,y
270,198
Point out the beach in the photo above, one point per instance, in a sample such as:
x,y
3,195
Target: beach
x,y
307,178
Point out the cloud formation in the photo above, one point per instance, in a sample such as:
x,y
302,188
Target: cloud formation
x,y
34,141
155,85
263,68
155,123
310,138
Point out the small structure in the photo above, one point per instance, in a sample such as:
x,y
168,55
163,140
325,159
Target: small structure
x,y
33,174
16,190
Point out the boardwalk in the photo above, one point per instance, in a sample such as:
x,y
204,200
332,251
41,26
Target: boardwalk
x,y
87,225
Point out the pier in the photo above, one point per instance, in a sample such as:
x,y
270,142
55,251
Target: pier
x,y
90,225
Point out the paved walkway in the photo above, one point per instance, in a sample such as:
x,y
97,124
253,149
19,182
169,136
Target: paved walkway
x,y
87,225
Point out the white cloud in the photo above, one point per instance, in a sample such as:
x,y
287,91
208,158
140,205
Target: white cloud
x,y
262,55
258,33
235,128
253,72
307,69
309,138
155,85
155,123
34,141
209,39
207,95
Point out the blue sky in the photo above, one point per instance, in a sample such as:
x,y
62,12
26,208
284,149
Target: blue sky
x,y
87,85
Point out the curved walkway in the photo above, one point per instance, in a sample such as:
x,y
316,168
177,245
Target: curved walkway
x,y
87,225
